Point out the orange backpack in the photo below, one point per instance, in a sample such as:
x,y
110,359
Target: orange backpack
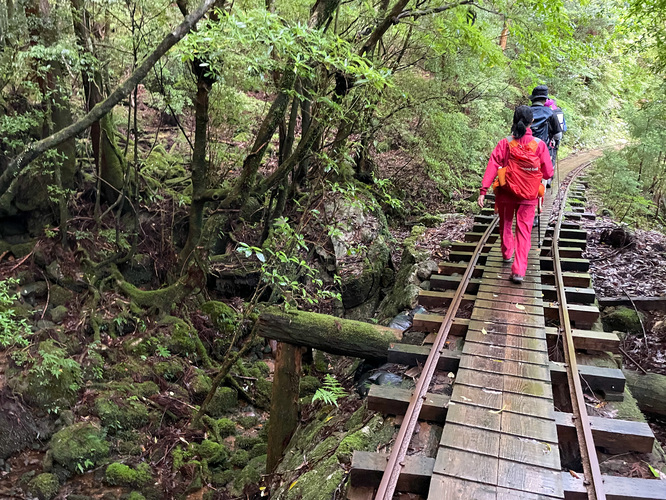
x,y
522,174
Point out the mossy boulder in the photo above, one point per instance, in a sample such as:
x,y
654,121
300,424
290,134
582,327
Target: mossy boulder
x,y
622,319
60,296
170,370
58,313
182,339
135,495
247,422
127,414
224,400
309,385
376,431
200,385
53,380
118,474
226,427
214,453
77,444
247,442
251,474
44,486
221,315
258,450
240,458
320,483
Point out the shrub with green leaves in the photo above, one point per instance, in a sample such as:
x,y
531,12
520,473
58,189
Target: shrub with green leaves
x,y
13,331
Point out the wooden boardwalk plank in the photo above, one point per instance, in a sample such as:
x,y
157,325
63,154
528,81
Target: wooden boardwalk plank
x,y
508,318
452,488
529,451
529,478
504,352
458,464
506,367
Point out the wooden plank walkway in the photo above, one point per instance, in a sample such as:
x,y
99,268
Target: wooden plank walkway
x,y
500,437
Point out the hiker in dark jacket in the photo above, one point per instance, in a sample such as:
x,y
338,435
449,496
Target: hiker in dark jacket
x,y
546,125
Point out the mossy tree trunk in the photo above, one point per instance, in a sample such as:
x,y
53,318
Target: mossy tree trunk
x,y
284,402
327,333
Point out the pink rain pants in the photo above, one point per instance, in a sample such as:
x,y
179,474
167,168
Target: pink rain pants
x,y
519,245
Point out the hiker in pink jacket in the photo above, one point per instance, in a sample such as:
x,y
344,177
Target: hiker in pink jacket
x,y
507,203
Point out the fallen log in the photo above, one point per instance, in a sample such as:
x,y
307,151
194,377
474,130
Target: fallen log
x,y
648,390
327,333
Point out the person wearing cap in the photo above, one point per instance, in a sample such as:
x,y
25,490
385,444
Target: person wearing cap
x,y
546,126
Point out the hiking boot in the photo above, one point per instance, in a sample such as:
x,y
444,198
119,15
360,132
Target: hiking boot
x,y
507,261
517,279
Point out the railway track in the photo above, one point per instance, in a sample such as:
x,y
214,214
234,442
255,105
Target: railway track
x,y
515,417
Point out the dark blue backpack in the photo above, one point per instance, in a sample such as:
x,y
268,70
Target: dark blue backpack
x,y
540,123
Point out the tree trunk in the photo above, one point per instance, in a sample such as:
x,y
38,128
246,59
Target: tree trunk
x,y
327,333
110,163
648,390
284,402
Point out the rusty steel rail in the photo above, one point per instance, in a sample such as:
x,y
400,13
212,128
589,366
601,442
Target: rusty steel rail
x,y
397,457
594,482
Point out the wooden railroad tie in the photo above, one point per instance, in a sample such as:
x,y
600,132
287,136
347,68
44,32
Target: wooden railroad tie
x,y
368,467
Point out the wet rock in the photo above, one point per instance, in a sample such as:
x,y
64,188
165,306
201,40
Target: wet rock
x,y
37,290
224,400
622,319
58,314
18,427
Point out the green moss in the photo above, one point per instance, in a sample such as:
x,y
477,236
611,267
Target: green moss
x,y
183,339
200,386
263,368
129,442
247,442
240,458
356,420
226,427
320,483
53,380
374,432
309,385
247,422
214,453
263,390
224,400
222,478
131,415
78,443
171,370
44,486
251,474
258,450
135,495
129,368
323,449
221,315
118,474
622,319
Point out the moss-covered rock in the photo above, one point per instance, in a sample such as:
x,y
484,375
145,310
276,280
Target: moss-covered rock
x,y
182,339
374,432
226,427
622,319
224,400
118,474
247,442
214,453
59,296
130,414
222,478
44,486
77,444
52,381
221,315
170,370
240,458
309,385
58,313
199,386
320,483
135,495
247,422
251,474
258,450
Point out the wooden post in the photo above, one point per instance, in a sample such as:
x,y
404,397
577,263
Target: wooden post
x,y
284,402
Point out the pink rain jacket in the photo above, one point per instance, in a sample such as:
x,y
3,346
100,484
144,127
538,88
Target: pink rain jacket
x,y
499,158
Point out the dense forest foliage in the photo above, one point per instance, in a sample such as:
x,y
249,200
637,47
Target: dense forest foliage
x,y
168,168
